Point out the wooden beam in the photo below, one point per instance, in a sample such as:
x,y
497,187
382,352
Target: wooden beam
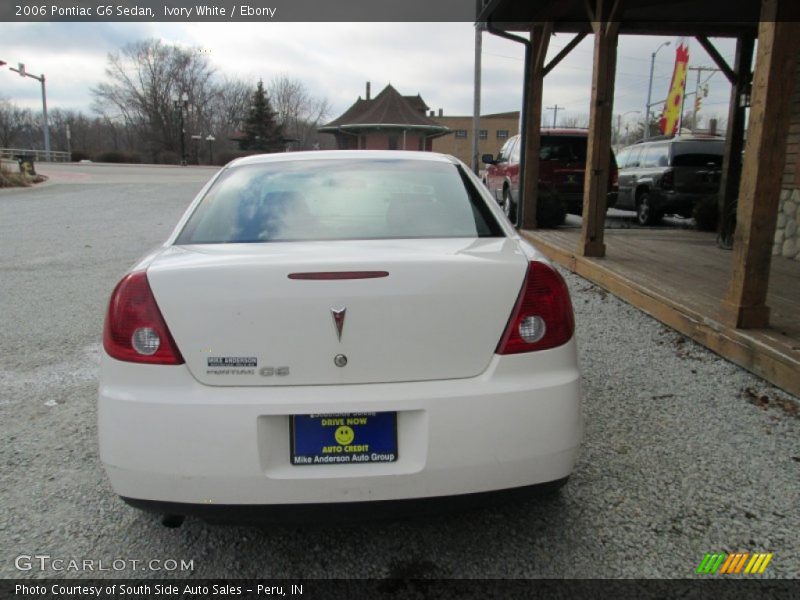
x,y
564,52
765,153
734,142
717,58
540,40
595,187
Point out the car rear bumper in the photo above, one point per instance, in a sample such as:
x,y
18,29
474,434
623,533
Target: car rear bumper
x,y
676,202
166,438
343,512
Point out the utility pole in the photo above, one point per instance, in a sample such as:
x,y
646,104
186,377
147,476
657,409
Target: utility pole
x,y
45,124
696,92
476,105
650,91
555,110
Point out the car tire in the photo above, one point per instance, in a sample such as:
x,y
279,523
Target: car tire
x,y
509,207
645,213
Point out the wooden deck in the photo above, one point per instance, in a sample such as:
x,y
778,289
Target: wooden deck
x,y
680,277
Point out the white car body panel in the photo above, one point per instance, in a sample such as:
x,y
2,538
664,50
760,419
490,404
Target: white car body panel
x,y
166,437
468,420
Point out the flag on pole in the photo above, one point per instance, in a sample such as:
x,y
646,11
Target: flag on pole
x,y
671,116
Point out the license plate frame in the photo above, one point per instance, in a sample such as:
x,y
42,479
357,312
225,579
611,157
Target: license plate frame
x,y
343,438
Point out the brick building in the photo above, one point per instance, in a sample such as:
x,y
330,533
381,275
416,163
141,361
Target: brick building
x,y
495,129
390,121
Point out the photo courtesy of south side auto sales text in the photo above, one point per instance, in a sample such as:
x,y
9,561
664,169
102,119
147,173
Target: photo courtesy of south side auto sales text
x,y
35,9
116,590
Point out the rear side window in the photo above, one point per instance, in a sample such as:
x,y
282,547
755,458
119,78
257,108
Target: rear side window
x,y
563,148
656,155
622,157
635,157
339,199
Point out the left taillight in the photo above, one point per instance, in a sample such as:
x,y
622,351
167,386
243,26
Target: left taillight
x,y
134,330
542,317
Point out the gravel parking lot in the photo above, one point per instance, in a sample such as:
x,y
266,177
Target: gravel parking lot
x,y
684,453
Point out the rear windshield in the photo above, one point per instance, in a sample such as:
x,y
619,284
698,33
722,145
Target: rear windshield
x,y
563,148
697,154
339,199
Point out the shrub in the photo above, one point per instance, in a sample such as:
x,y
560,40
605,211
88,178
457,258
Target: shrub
x,y
167,157
706,213
119,157
79,155
223,158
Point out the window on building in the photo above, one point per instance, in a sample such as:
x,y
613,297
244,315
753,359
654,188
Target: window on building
x,y
461,133
483,134
502,134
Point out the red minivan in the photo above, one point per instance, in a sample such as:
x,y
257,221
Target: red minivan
x,y
562,167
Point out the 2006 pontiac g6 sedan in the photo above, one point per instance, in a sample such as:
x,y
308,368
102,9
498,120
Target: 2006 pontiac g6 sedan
x,y
337,329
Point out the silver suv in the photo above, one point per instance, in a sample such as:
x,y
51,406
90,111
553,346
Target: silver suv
x,y
668,176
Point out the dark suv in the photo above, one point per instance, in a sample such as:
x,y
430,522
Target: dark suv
x,y
562,168
668,176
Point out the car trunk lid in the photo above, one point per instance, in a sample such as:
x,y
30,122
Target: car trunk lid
x,y
260,314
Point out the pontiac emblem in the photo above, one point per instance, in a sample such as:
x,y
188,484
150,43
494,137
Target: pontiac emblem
x,y
338,320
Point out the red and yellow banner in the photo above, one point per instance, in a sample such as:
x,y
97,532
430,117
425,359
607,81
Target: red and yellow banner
x,y
671,116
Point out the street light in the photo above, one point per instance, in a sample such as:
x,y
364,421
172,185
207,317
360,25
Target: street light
x,y
650,91
210,138
619,121
180,105
45,125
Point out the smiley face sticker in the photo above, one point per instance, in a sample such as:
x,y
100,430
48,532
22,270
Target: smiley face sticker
x,y
344,435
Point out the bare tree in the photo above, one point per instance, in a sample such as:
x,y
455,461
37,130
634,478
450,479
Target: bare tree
x,y
13,123
299,113
574,121
144,81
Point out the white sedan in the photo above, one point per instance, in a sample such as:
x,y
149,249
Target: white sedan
x,y
336,329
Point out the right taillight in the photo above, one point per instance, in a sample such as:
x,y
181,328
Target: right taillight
x,y
134,330
542,317
668,180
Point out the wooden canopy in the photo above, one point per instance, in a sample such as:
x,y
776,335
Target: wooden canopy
x,y
767,92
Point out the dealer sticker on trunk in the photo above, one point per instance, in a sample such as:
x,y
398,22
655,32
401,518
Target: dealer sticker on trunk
x,y
344,438
232,361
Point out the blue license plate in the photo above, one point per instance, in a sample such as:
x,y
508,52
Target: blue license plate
x,y
343,438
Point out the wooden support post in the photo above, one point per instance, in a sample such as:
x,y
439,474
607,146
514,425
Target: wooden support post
x,y
734,142
765,153
595,187
531,137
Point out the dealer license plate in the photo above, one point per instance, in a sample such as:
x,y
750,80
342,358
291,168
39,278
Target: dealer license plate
x,y
343,438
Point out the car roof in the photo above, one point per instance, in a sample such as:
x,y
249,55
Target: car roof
x,y
277,157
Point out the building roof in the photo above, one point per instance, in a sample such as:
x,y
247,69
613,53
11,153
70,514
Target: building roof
x,y
417,103
503,115
388,109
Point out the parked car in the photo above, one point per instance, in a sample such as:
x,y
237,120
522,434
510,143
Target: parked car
x,y
562,169
330,329
668,176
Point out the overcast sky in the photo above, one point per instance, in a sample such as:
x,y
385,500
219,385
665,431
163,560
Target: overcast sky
x,y
336,59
